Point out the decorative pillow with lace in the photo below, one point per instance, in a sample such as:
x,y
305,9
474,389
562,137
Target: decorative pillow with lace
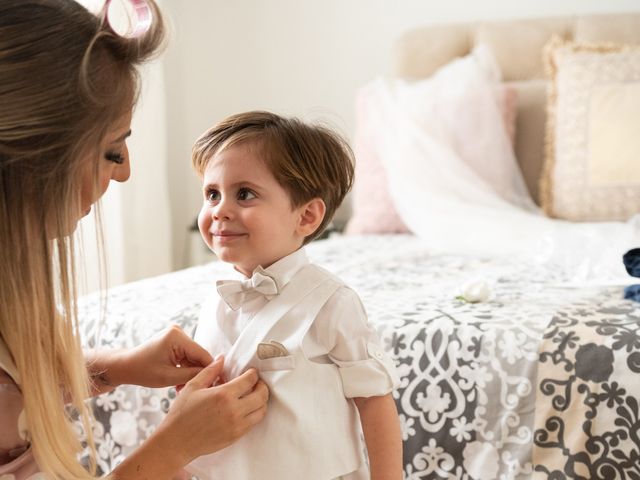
x,y
592,157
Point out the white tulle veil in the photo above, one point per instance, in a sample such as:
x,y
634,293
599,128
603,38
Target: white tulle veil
x,y
456,184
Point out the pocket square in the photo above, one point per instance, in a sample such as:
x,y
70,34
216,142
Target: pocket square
x,y
271,349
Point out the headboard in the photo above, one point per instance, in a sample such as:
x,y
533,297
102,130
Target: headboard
x,y
518,46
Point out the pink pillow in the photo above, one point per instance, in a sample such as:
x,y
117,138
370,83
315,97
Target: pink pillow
x,y
373,209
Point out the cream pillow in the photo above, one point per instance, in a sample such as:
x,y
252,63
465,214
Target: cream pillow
x,y
592,158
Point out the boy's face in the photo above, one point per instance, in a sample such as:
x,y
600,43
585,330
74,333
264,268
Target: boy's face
x,y
246,217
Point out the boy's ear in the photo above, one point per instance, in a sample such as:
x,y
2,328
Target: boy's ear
x,y
311,216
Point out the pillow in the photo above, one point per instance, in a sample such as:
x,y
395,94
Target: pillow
x,y
591,168
451,170
373,208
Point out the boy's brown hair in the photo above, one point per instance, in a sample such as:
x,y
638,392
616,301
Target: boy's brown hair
x,y
309,161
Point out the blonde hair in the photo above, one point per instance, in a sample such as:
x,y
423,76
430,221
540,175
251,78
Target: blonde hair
x,y
309,161
65,77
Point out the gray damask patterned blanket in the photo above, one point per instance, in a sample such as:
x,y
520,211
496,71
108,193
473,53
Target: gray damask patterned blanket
x,y
539,381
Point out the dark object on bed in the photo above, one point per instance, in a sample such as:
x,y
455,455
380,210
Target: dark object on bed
x,y
631,261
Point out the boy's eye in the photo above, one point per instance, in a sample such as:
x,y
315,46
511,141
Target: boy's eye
x,y
246,194
115,157
212,196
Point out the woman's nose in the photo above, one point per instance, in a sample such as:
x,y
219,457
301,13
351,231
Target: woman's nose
x,y
122,172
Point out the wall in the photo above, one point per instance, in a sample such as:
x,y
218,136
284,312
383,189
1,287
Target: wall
x,y
299,57
136,223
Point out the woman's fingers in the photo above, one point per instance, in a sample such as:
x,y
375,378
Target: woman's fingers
x,y
252,392
195,355
257,415
243,384
255,403
208,375
185,351
180,376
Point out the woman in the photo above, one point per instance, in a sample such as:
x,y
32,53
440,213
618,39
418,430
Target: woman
x,y
67,88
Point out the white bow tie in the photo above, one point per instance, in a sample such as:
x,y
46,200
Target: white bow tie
x,y
236,292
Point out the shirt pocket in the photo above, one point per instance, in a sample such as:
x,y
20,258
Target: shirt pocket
x,y
277,363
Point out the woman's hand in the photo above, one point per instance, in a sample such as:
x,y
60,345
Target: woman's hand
x,y
202,419
212,417
169,358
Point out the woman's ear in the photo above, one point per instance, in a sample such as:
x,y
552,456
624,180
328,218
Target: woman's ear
x,y
311,216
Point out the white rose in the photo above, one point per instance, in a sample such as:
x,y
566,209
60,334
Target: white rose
x,y
481,460
475,291
124,428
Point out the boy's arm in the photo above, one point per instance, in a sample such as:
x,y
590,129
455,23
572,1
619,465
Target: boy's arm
x,y
381,428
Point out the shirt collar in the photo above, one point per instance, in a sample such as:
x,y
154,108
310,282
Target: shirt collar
x,y
284,269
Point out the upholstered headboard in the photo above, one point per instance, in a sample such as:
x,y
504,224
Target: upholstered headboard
x,y
518,47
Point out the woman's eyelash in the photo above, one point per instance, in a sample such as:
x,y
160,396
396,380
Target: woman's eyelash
x,y
115,157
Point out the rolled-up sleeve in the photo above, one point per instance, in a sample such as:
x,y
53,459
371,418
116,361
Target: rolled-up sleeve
x,y
365,368
372,377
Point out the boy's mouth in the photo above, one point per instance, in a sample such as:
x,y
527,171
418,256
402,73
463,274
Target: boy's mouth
x,y
226,233
227,236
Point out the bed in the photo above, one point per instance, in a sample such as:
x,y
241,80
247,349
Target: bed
x,y
514,362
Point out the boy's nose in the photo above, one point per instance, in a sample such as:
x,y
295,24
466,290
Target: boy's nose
x,y
222,210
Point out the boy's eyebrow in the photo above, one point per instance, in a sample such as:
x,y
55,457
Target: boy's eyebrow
x,y
242,183
247,183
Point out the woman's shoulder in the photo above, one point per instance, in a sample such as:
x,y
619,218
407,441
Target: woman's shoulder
x,y
12,446
5,378
16,457
10,403
7,365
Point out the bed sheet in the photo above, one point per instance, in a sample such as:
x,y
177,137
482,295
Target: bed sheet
x,y
539,381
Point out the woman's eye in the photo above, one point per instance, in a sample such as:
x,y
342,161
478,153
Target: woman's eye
x,y
115,157
246,194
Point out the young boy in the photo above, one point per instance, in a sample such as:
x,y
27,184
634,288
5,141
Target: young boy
x,y
270,186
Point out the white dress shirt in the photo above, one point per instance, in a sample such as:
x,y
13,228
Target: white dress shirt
x,y
340,334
